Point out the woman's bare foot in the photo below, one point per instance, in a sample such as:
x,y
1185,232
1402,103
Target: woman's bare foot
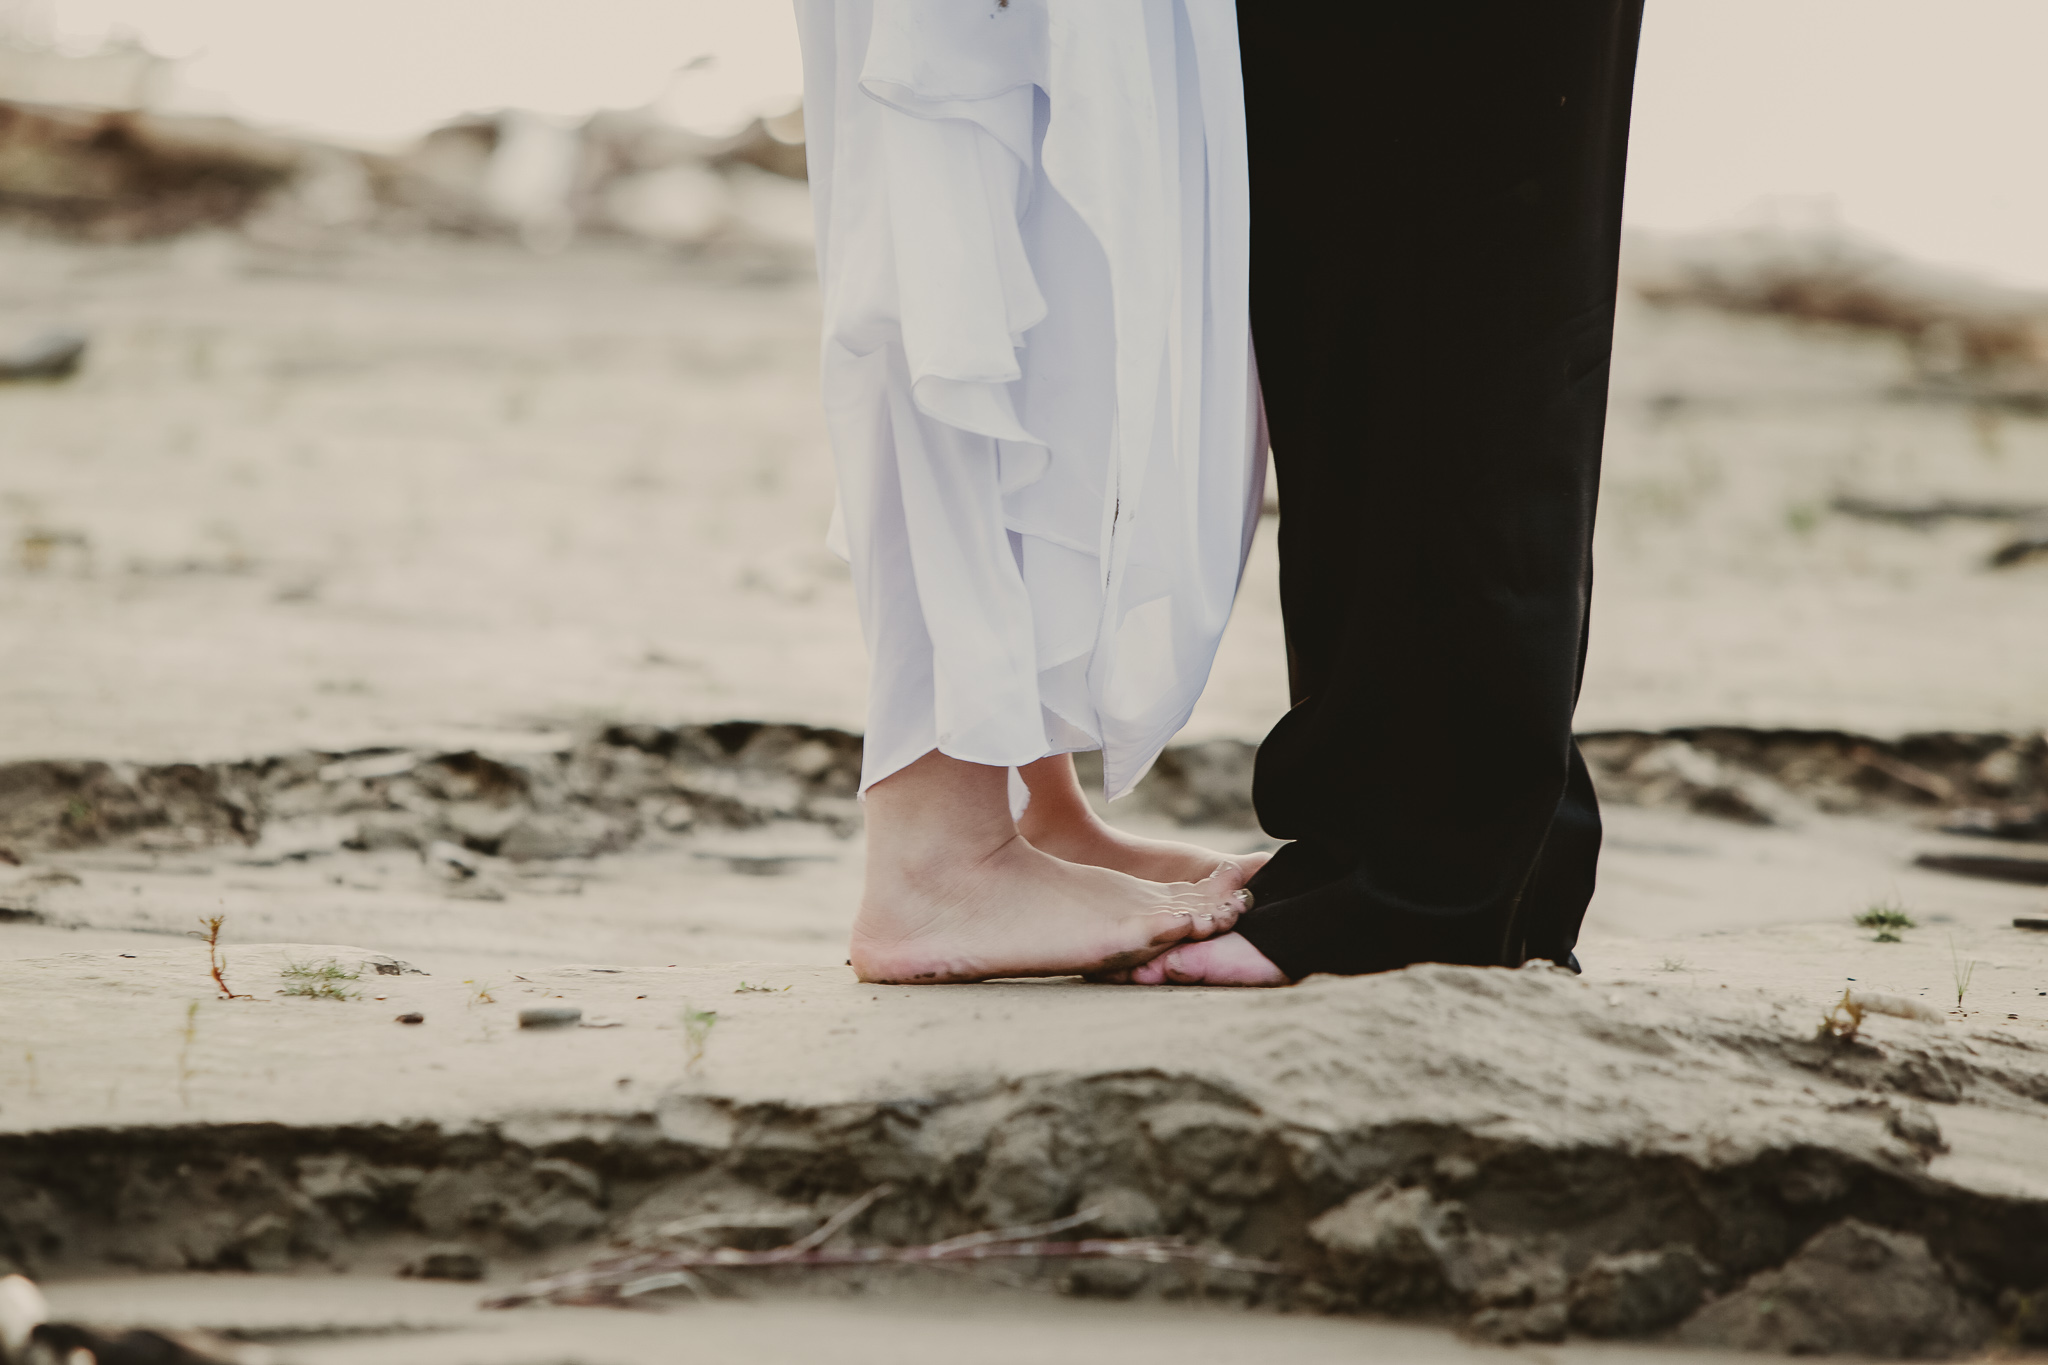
x,y
1060,821
954,894
1227,961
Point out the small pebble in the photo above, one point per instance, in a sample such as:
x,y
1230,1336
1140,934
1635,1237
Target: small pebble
x,y
448,1261
412,1018
549,1016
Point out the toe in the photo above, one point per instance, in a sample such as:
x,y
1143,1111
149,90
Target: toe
x,y
1231,873
1151,973
1224,916
1224,898
1172,924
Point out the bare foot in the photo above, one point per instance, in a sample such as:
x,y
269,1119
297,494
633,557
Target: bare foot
x,y
1227,961
1018,911
1060,821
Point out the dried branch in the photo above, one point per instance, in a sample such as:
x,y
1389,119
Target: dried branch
x,y
621,1277
822,1234
216,960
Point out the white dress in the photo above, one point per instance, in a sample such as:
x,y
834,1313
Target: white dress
x,y
1033,240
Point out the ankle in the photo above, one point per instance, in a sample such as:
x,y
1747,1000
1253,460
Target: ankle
x,y
1060,821
937,812
929,863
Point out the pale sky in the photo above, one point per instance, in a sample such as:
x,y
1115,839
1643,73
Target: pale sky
x,y
1920,123
1923,121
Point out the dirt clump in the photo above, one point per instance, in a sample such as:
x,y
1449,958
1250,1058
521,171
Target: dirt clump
x,y
1400,1249
1853,1289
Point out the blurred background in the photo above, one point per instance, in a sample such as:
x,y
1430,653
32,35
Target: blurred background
x,y
428,372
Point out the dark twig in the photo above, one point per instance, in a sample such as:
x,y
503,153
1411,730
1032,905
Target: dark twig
x,y
622,1277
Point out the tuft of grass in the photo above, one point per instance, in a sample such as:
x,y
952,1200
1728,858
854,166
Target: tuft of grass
x,y
1887,918
749,988
697,1026
319,981
1963,971
1801,518
480,993
1674,964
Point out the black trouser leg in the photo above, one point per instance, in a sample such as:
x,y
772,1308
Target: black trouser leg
x,y
1435,220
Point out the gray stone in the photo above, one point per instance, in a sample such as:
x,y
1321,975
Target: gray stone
x,y
565,834
1123,1212
264,1244
1108,1279
447,1261
52,354
1537,1322
1916,1127
1637,1292
549,1016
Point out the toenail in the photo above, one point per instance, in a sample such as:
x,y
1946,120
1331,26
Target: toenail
x,y
1244,893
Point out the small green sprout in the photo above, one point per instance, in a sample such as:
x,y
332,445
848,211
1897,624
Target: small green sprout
x,y
319,980
1963,971
697,1026
1887,919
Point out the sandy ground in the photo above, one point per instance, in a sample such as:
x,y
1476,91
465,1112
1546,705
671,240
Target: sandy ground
x,y
125,1029
1658,1064
1683,898
439,1324
410,491
464,496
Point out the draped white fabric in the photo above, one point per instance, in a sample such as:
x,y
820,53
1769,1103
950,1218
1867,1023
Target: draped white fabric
x,y
1033,234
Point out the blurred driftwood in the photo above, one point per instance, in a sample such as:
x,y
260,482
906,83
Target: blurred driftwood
x,y
1921,515
128,175
2025,871
1963,338
119,176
